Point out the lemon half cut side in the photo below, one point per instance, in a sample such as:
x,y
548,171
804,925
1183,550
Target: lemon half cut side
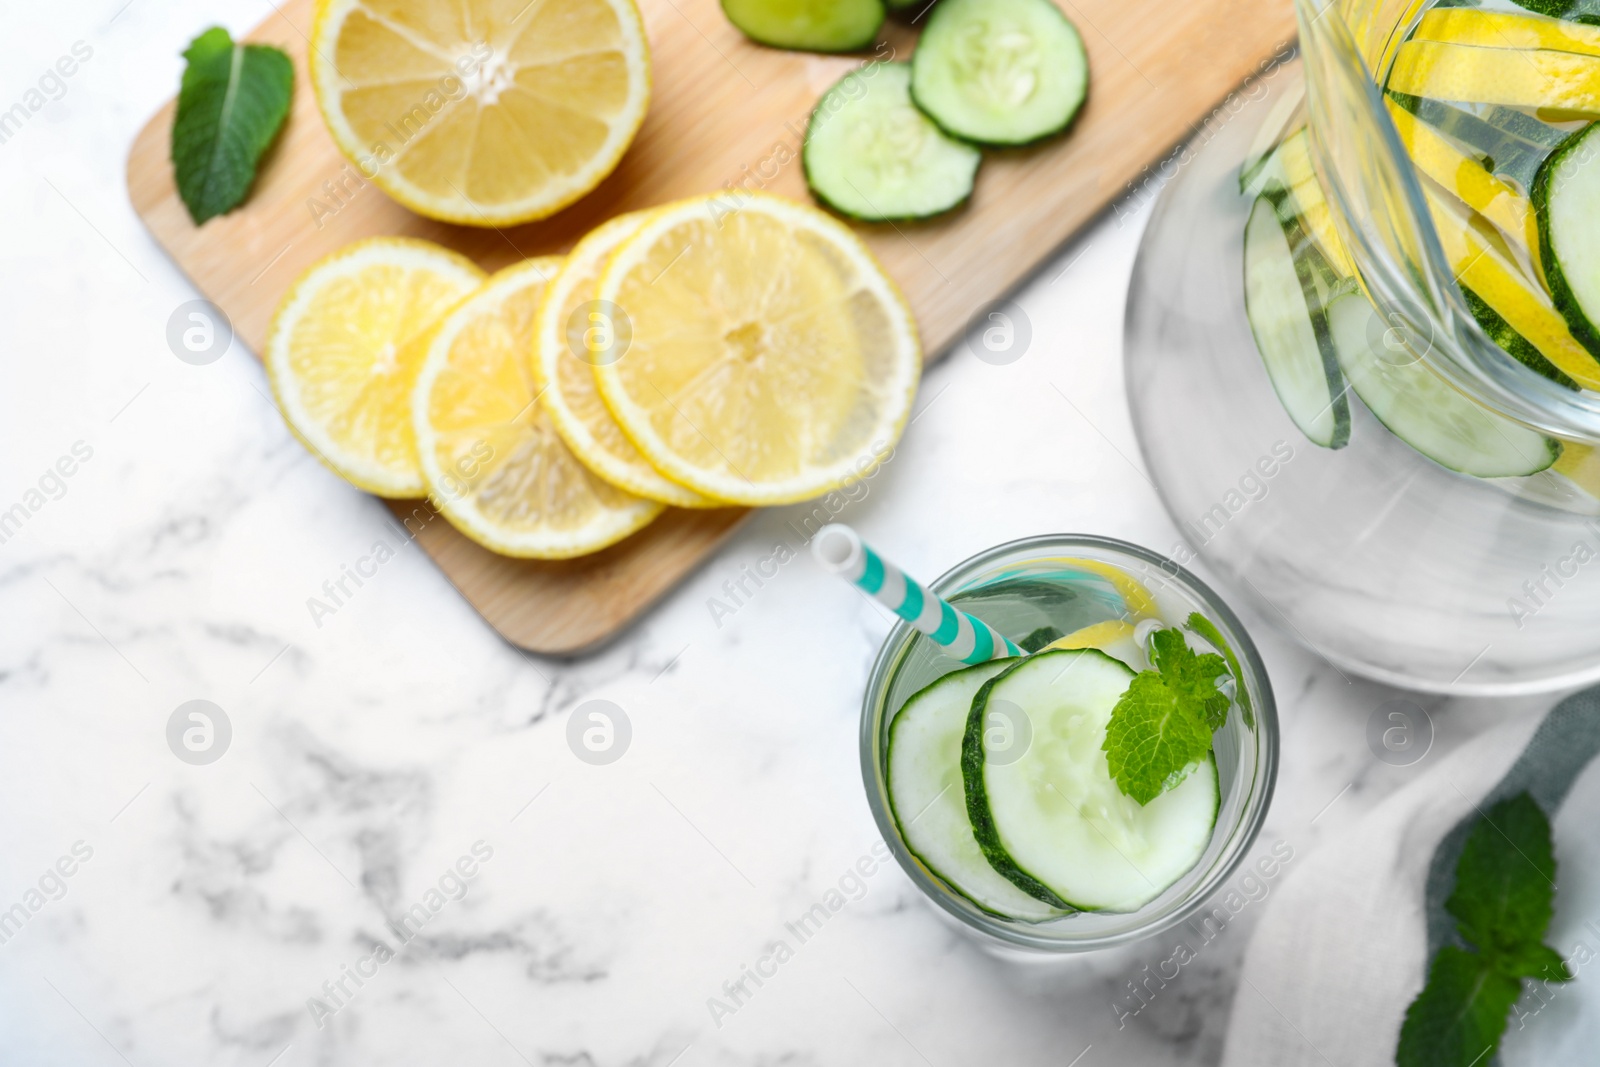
x,y
481,112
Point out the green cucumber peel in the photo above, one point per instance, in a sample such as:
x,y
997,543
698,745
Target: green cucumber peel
x,y
1516,346
978,813
1561,290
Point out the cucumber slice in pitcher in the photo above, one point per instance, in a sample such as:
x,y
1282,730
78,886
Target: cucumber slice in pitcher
x,y
1275,128
870,154
1566,203
1425,411
1000,72
1052,820
808,25
929,803
1516,346
1284,306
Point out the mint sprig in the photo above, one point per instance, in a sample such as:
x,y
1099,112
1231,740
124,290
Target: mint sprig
x,y
1208,630
232,102
1164,721
1502,903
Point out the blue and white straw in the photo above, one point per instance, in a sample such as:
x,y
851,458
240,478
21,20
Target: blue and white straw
x,y
966,637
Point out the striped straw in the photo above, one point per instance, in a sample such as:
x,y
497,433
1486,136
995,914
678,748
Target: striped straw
x,y
966,637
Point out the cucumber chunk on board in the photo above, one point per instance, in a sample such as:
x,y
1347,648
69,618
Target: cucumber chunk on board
x,y
1000,72
870,154
808,25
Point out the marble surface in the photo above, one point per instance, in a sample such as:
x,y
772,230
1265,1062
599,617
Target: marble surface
x,y
213,912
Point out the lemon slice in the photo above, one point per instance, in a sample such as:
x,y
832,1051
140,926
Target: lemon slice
x,y
1312,203
1506,29
1486,269
342,358
1561,85
1439,158
482,112
1581,465
770,358
494,464
575,333
1096,635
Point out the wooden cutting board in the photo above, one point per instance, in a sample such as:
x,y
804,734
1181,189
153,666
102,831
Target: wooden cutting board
x,y
725,112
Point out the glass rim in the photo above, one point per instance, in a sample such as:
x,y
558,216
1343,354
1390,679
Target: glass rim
x,y
1242,835
1459,350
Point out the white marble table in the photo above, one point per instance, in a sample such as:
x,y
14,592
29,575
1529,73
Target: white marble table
x,y
606,905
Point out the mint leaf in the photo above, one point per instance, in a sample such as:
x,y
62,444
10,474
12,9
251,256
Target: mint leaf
x,y
232,103
1193,678
1460,1014
1502,903
1165,719
1502,899
1208,630
1535,961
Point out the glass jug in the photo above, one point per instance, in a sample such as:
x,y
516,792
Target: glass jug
x,y
1355,535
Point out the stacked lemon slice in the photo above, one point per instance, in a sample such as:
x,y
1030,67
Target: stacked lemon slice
x,y
769,360
700,355
492,460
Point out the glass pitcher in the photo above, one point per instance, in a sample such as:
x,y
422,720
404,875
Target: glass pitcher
x,y
1397,470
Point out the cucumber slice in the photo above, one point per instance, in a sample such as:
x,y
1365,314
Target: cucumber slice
x,y
808,25
1566,201
1263,173
927,799
1290,178
1275,128
1423,410
1053,821
1000,72
1481,262
1284,306
870,154
1516,345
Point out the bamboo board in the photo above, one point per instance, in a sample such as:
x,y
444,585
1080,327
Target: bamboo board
x,y
724,112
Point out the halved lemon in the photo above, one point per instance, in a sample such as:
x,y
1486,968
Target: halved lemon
x,y
769,359
576,333
481,112
342,358
494,464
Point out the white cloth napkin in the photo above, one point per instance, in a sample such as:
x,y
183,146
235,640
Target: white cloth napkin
x,y
1343,946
